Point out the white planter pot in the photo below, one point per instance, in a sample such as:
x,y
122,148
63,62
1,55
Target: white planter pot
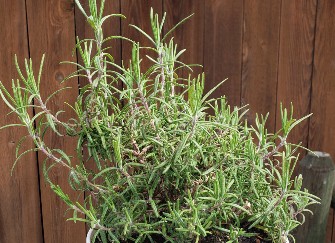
x,y
89,235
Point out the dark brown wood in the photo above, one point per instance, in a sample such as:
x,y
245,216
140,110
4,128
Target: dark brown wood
x,y
318,173
296,63
223,47
260,58
51,31
20,213
322,126
190,35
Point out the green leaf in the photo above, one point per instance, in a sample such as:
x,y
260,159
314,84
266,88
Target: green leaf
x,y
176,26
143,32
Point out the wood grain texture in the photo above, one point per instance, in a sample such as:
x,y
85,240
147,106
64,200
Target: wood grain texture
x,y
322,126
296,62
51,31
260,58
223,47
20,214
138,13
190,35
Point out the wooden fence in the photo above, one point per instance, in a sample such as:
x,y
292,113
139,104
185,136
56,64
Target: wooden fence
x,y
272,51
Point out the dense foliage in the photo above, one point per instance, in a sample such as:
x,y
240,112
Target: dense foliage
x,y
169,160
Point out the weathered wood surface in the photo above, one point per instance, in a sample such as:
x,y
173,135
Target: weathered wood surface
x,y
322,125
319,177
20,214
223,47
297,38
260,58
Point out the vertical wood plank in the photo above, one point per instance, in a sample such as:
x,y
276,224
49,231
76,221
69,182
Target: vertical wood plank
x,y
51,31
138,13
20,214
322,126
223,47
296,62
190,35
260,58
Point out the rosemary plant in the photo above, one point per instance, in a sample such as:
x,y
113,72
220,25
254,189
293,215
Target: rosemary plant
x,y
170,163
